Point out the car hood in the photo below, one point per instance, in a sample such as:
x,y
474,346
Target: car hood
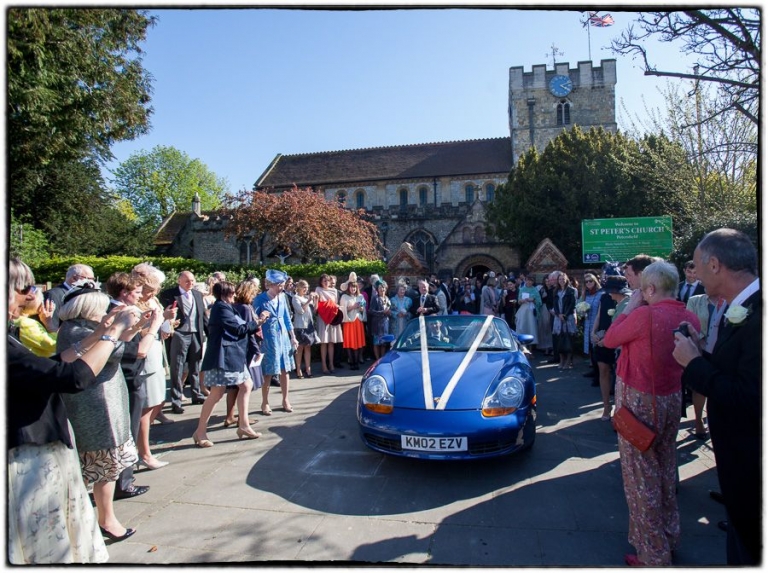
x,y
405,371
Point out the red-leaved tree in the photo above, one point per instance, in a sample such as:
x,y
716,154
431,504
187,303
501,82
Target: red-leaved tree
x,y
303,222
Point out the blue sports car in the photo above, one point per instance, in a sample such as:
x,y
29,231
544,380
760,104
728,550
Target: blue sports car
x,y
452,387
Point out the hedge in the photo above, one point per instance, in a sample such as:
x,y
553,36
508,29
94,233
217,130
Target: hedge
x,y
55,269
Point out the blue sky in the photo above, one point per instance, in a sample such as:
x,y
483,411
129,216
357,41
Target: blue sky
x,y
235,87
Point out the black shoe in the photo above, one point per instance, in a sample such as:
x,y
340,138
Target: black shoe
x,y
177,409
723,525
717,496
133,492
197,401
274,383
115,538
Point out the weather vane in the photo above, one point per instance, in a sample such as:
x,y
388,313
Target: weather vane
x,y
555,52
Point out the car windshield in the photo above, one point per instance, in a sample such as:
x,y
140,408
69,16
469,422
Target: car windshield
x,y
457,333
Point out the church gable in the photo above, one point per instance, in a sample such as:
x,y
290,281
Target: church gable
x,y
407,261
471,228
546,257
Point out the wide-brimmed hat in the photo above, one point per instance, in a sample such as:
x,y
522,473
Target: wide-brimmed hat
x,y
616,285
276,276
352,279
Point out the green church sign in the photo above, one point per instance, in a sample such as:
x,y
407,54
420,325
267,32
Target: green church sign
x,y
618,240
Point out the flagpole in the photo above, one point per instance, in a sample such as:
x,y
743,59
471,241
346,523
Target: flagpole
x,y
589,41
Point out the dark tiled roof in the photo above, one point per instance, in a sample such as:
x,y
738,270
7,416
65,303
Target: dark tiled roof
x,y
386,163
173,224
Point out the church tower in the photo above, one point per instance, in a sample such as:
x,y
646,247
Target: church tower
x,y
544,102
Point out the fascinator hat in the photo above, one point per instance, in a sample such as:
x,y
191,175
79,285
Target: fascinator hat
x,y
275,276
352,280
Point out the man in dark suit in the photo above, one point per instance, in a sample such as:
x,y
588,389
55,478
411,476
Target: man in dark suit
x,y
186,344
691,285
56,294
726,263
426,303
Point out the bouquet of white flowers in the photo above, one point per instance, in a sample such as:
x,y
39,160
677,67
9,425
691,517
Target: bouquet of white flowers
x,y
582,308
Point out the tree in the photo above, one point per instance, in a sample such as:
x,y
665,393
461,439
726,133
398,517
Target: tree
x,y
587,176
76,83
70,206
303,222
156,183
723,153
27,243
726,43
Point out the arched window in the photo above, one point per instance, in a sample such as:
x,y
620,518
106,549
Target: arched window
x,y
341,197
469,193
403,199
466,235
423,195
424,243
563,113
490,192
360,199
479,234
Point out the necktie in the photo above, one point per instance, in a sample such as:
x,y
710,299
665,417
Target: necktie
x,y
423,298
687,294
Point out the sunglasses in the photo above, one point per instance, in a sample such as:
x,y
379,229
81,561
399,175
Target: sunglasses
x,y
589,281
27,290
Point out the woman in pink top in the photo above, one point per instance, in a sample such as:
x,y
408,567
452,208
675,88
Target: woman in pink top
x,y
645,333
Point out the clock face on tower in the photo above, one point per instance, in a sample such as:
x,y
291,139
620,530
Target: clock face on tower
x,y
560,86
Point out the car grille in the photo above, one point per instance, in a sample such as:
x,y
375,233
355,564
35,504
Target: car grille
x,y
479,448
387,444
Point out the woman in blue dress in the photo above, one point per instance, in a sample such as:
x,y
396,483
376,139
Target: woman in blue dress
x,y
279,340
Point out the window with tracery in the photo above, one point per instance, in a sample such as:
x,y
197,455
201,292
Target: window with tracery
x,y
563,113
424,243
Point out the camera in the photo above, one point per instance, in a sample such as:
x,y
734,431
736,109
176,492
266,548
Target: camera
x,y
682,329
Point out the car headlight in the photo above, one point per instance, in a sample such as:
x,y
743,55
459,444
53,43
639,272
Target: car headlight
x,y
376,395
505,399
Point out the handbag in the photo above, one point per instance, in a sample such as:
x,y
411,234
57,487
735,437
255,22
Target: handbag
x,y
628,426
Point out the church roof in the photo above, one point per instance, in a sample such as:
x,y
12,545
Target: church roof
x,y
452,158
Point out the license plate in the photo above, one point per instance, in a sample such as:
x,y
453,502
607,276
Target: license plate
x,y
424,444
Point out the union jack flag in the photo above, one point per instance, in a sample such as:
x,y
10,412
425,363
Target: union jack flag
x,y
600,21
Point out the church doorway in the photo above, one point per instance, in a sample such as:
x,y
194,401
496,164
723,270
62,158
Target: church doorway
x,y
477,271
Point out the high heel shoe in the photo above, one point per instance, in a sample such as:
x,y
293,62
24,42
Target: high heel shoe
x,y
299,374
117,538
308,372
266,411
248,434
201,443
287,407
151,465
163,419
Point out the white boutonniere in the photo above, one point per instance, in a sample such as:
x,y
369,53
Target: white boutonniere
x,y
736,314
611,311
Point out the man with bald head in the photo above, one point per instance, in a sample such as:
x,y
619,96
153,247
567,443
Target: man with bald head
x,y
186,344
75,273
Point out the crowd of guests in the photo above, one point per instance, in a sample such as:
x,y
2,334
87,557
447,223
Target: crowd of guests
x,y
90,369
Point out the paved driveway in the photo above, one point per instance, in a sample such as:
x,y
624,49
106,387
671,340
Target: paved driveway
x,y
310,492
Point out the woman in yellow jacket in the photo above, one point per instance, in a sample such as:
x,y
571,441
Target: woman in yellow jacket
x,y
32,333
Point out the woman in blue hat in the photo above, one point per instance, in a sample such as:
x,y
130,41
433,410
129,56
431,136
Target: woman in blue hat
x,y
279,340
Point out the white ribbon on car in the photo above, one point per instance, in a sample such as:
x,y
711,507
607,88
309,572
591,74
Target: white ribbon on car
x,y
425,374
426,378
